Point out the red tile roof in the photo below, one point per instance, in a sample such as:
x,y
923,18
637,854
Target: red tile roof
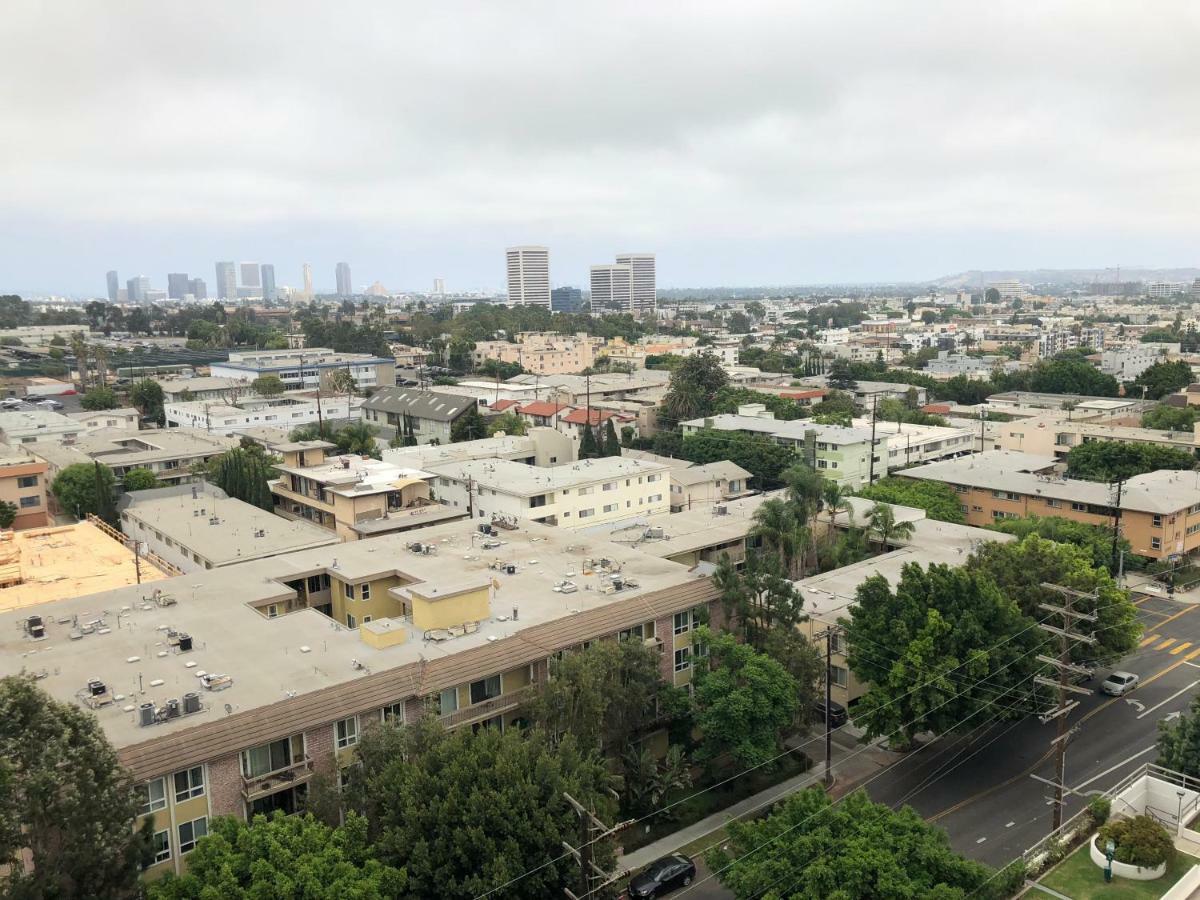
x,y
598,417
501,405
804,395
540,408
936,408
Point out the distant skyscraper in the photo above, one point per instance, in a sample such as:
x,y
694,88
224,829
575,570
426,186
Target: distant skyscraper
x,y
226,281
198,289
307,272
566,299
345,287
114,286
611,291
643,290
439,286
138,288
250,276
528,276
268,282
178,284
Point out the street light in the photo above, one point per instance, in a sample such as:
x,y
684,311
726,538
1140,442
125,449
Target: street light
x,y
1109,849
1179,814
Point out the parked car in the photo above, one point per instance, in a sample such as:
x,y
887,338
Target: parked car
x,y
11,403
1118,683
663,875
837,713
48,404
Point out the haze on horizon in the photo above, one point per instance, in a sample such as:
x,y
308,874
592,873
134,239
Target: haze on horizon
x,y
748,143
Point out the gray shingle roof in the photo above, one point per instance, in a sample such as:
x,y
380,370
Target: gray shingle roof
x,y
419,403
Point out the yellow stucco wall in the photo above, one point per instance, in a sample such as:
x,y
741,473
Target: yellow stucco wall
x,y
449,611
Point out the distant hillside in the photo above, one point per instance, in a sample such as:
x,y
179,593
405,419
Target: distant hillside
x,y
976,277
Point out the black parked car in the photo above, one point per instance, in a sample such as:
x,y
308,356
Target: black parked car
x,y
837,713
663,875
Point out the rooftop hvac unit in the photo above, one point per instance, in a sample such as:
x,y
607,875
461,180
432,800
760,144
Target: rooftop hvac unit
x,y
185,643
173,708
146,714
191,703
720,510
96,687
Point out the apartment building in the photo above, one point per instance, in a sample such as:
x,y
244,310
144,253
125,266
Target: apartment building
x,y
708,486
1158,513
182,390
1080,406
227,691
537,447
23,483
528,270
428,415
542,353
356,497
41,425
171,454
577,495
224,417
307,369
1055,340
1053,434
1127,363
196,527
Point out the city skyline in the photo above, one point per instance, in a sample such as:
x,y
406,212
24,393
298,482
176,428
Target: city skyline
x,y
839,145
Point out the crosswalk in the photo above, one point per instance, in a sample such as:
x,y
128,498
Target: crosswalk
x,y
1173,646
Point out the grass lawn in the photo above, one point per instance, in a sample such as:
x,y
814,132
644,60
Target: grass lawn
x,y
1081,879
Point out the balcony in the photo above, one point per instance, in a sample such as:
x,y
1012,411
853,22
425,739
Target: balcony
x,y
488,708
297,773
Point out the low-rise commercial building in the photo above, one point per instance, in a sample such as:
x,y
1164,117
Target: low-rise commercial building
x,y
221,417
537,447
1158,512
40,425
196,527
308,369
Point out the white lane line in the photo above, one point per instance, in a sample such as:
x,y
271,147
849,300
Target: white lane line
x,y
981,840
1010,824
1192,664
1123,762
1169,699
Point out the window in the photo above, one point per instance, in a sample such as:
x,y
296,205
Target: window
x,y
347,732
610,486
631,634
1157,518
683,659
585,513
961,488
448,702
683,622
153,796
976,509
650,479
610,507
699,650
351,622
272,757
1155,543
583,491
349,589
654,498
821,464
27,502
27,481
189,783
393,713
1057,504
836,643
190,832
485,689
365,593
840,676
1079,507
162,846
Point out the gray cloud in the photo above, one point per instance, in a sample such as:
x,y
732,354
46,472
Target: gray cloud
x,y
598,125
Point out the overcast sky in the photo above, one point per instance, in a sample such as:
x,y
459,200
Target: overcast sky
x,y
745,143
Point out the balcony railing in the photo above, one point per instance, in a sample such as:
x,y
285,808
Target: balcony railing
x,y
488,708
260,785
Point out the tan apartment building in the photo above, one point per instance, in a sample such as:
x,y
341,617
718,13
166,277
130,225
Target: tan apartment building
x,y
227,691
542,353
354,496
1158,513
23,484
1055,435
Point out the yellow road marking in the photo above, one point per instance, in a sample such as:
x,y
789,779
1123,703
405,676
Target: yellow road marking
x,y
1175,651
1165,644
1150,640
1192,655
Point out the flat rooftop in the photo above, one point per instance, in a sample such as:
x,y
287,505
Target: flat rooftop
x,y
511,477
120,447
66,561
303,651
687,531
795,429
220,529
354,476
484,448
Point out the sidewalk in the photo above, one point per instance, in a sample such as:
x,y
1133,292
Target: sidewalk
x,y
850,767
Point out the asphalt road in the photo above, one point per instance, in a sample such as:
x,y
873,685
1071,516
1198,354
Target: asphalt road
x,y
983,788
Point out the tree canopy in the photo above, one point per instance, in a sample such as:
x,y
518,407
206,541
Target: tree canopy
x,y
147,395
99,398
1095,540
816,849
140,480
693,389
1170,418
283,857
510,423
1179,742
244,473
65,800
1163,378
83,488
753,452
267,385
468,427
937,499
1112,461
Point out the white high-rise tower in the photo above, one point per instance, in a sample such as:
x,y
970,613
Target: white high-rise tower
x,y
528,276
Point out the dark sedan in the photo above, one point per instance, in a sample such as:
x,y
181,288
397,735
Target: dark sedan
x,y
663,875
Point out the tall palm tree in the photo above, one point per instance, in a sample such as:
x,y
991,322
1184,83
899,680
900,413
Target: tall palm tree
x,y
775,522
882,523
358,437
835,498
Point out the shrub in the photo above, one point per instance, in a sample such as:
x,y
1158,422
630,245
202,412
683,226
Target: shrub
x,y
1099,807
1140,841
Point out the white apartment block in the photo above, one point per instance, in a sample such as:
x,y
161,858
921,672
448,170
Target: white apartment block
x,y
218,417
642,281
528,276
307,369
629,286
579,495
1130,362
1059,339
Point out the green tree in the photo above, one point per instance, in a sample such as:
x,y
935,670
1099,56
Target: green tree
x,y
738,323
937,499
509,423
836,408
342,382
1020,568
285,856
267,385
8,514
693,389
1095,540
1170,418
744,700
464,813
357,438
1179,742
244,474
140,480
612,445
883,525
1162,378
728,399
852,849
83,488
589,448
468,427
1072,376
943,651
841,376
1112,461
783,534
147,395
753,452
75,805
99,398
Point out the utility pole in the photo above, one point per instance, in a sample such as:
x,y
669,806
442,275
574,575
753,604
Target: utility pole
x,y
1117,523
1065,669
591,830
828,634
982,422
874,405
